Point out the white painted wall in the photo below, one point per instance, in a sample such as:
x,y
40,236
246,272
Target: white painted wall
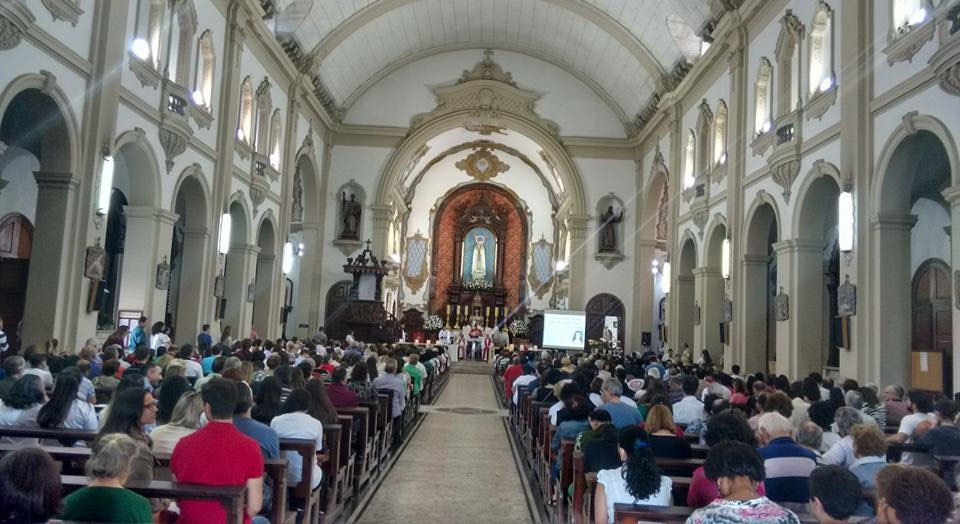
x,y
20,194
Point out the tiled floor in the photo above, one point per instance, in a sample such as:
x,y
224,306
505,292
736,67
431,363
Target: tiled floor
x,y
458,467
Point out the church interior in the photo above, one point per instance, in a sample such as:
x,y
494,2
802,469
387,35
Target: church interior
x,y
720,188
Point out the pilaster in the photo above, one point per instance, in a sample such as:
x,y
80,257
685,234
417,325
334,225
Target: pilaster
x,y
578,226
708,293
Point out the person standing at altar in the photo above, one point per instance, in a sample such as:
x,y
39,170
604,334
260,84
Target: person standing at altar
x,y
475,339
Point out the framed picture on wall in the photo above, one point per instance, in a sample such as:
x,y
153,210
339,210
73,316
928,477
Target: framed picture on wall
x,y
129,318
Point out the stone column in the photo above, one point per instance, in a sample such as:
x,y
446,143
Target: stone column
x,y
952,195
800,338
708,285
241,265
306,302
643,290
265,315
750,319
45,305
195,289
579,248
683,331
381,228
888,361
737,140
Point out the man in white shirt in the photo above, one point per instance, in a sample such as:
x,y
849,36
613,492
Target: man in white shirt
x,y
688,409
527,377
298,424
194,368
921,406
37,365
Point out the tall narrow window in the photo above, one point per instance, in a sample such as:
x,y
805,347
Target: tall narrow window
x,y
909,13
720,134
821,50
788,62
275,139
264,111
245,125
688,162
704,122
762,112
206,61
183,26
149,31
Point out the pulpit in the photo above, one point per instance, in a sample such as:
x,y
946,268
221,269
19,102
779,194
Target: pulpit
x,y
363,311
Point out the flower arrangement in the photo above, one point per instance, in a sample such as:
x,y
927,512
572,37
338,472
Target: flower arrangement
x,y
478,284
518,328
433,323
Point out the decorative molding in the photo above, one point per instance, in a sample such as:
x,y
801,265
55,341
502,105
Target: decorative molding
x,y
946,60
200,115
144,71
66,10
483,100
243,149
609,260
259,187
818,104
700,217
761,142
15,21
487,69
482,165
347,247
909,122
784,174
903,47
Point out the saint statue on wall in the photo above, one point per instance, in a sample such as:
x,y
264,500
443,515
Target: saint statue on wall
x,y
351,212
608,231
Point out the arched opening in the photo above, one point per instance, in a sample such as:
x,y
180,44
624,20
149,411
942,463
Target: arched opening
x,y
912,228
37,184
684,292
605,319
235,290
265,282
713,295
816,259
108,292
651,245
184,308
16,243
337,296
760,289
305,228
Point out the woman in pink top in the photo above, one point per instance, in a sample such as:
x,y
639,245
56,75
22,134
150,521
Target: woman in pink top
x,y
722,426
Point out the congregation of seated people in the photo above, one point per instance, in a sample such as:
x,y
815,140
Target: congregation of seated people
x,y
210,414
752,448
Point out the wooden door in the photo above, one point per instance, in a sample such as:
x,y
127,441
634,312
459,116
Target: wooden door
x,y
932,325
16,243
598,308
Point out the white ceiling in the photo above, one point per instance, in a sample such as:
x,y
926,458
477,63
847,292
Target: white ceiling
x,y
623,45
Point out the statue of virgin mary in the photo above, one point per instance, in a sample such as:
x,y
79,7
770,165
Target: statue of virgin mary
x,y
479,259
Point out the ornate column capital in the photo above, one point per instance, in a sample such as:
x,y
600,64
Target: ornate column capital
x,y
56,180
893,221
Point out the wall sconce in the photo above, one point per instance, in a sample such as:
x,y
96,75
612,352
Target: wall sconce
x,y
655,266
560,266
225,226
845,220
106,183
725,258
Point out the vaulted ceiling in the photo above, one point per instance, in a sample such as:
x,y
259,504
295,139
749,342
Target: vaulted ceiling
x,y
622,46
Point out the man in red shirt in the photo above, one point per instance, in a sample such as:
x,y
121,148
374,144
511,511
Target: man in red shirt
x,y
511,374
218,455
337,391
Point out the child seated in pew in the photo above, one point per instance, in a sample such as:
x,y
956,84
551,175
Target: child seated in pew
x,y
637,481
105,499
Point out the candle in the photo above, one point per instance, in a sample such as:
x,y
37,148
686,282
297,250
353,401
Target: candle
x,y
488,311
448,310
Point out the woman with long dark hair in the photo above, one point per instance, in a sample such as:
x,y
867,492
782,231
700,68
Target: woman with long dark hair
x,y
65,409
268,400
372,371
131,410
171,389
320,406
637,481
360,384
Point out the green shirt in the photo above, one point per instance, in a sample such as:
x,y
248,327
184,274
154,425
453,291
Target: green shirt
x,y
417,377
103,504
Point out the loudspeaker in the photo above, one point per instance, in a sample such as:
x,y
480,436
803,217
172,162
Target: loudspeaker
x,y
645,338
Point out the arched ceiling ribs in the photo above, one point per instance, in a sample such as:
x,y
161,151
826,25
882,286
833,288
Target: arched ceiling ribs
x,y
540,55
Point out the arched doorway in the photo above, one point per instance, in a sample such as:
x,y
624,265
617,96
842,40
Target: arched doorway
x,y
337,296
37,182
16,243
605,318
931,317
759,323
108,292
188,244
711,279
683,293
912,225
235,289
815,257
266,281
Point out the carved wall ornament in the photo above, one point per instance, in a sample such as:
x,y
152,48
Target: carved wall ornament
x,y
259,187
696,314
163,275
15,20
482,165
846,298
782,306
485,129
541,274
946,60
784,174
909,122
700,218
66,10
487,69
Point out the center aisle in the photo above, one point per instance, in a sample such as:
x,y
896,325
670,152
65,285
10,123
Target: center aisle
x,y
459,467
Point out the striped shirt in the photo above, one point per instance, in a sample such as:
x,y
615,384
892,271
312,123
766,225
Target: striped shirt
x,y
788,466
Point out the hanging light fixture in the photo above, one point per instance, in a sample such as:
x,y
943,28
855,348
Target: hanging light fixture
x,y
225,225
106,184
845,221
288,255
665,280
725,258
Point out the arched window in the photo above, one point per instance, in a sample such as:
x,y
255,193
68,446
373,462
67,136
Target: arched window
x,y
275,139
762,121
720,134
788,62
149,31
245,122
206,60
704,122
821,50
688,161
908,14
264,111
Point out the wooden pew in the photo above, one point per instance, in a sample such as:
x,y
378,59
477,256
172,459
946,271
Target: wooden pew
x,y
52,434
895,451
388,443
374,434
232,498
678,467
303,493
565,478
364,451
700,451
946,467
537,409
345,489
635,513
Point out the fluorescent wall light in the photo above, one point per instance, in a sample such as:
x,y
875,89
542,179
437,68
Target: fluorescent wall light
x,y
106,185
225,226
287,263
826,83
665,281
845,221
725,258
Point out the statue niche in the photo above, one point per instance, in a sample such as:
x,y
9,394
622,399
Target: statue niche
x,y
610,230
350,200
